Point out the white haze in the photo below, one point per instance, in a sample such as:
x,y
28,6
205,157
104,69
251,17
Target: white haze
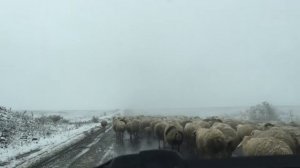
x,y
101,54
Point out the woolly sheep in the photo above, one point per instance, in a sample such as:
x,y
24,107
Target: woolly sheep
x,y
233,123
145,123
244,130
230,134
278,133
190,129
212,120
210,143
173,136
132,128
159,130
295,133
119,128
264,146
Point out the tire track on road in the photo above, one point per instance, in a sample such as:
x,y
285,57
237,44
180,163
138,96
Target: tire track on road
x,y
64,158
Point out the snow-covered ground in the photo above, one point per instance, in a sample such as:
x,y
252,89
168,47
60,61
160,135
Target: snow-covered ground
x,y
20,153
74,115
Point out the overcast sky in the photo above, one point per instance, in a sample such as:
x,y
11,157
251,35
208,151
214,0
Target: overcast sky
x,y
99,54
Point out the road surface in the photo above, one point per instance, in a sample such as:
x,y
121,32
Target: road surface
x,y
94,150
99,147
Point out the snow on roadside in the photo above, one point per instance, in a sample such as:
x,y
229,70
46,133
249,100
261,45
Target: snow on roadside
x,y
34,152
44,145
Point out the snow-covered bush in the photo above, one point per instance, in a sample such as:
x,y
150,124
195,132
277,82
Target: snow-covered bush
x,y
262,113
23,127
95,119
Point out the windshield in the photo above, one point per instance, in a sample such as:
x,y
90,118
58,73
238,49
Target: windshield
x,y
85,81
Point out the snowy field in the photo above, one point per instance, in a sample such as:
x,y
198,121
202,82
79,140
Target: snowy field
x,y
74,115
24,138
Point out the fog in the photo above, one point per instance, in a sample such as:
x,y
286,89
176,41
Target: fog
x,y
101,54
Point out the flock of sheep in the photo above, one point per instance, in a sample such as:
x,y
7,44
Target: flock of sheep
x,y
212,137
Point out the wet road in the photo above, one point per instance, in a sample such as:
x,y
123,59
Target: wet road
x,y
98,148
86,153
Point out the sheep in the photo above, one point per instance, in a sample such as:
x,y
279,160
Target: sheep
x,y
173,136
189,135
210,143
233,123
144,123
148,132
152,125
133,127
264,146
176,124
119,128
184,122
295,133
230,134
212,120
103,123
190,129
124,119
278,133
159,129
255,133
244,130
202,124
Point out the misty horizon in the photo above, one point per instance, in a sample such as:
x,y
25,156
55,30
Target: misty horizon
x,y
148,54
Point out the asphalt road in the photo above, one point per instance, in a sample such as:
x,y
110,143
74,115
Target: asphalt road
x,y
96,149
99,147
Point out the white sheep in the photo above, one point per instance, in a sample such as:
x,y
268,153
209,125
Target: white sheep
x,y
264,146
